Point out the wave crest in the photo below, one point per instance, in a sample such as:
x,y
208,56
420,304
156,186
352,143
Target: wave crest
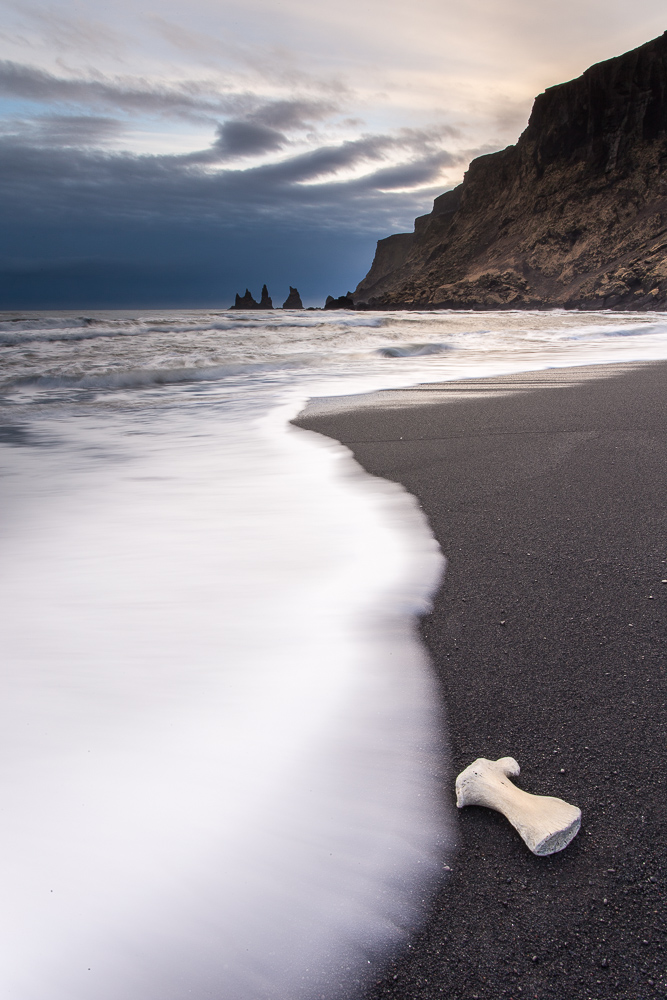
x,y
412,350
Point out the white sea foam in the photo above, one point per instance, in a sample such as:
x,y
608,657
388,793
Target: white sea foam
x,y
219,735
220,769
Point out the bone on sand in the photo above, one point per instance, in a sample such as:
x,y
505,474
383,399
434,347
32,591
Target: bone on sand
x,y
546,824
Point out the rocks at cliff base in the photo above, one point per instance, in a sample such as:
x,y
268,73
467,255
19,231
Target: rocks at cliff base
x,y
574,215
293,300
265,302
342,302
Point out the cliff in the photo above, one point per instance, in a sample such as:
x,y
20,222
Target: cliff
x,y
574,215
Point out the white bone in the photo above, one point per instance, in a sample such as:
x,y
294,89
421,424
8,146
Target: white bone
x,y
546,824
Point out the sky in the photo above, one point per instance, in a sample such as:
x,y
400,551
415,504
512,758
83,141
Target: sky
x,y
170,155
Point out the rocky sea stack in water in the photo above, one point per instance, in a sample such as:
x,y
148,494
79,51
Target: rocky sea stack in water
x,y
573,215
247,302
293,300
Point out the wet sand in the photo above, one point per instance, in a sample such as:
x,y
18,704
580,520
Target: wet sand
x,y
548,495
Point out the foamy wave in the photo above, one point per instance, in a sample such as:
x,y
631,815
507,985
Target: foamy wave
x,y
45,322
412,350
18,339
634,331
146,378
225,774
23,330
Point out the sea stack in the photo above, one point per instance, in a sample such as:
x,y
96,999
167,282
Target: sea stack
x,y
293,300
265,302
574,215
245,301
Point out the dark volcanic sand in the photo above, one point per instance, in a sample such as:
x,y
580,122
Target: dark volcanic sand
x,y
551,506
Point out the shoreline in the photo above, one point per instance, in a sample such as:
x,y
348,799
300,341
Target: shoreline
x,y
545,491
536,306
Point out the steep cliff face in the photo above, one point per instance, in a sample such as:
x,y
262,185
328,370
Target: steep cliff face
x,y
574,215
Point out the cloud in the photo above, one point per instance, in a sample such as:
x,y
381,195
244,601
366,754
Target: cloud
x,y
73,33
326,160
297,113
190,100
247,138
418,174
334,159
75,181
70,196
65,130
263,50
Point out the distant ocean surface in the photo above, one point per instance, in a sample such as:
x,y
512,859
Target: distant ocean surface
x,y
220,773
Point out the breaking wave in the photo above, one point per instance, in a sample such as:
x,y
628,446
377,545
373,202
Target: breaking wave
x,y
412,350
146,378
18,330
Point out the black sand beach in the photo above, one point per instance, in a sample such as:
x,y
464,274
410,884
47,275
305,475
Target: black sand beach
x,y
548,636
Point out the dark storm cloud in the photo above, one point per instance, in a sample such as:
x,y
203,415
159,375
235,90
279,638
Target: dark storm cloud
x,y
91,182
331,159
86,226
243,138
183,184
327,160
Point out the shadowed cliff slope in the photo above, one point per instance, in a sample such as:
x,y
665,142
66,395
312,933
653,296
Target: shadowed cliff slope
x,y
574,215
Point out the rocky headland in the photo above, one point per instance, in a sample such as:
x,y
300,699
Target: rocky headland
x,y
574,215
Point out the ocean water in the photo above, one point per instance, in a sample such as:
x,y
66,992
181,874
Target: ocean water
x,y
222,762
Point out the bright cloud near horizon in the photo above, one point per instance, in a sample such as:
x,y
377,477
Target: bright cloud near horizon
x,y
169,155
